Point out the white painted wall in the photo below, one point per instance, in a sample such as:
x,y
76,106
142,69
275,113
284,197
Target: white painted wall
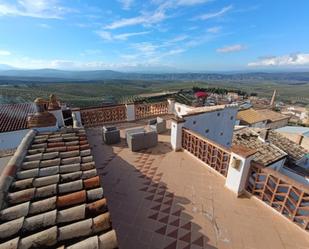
x,y
10,140
216,125
181,109
176,135
77,117
171,106
59,117
77,122
237,177
130,112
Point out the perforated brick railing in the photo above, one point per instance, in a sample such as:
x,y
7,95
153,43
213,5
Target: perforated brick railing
x,y
288,197
148,110
101,115
206,150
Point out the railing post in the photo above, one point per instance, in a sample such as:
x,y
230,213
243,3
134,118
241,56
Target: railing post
x,y
130,108
176,133
77,120
238,170
171,105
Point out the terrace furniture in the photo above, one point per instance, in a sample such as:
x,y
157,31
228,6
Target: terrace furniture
x,y
111,135
134,130
158,125
141,139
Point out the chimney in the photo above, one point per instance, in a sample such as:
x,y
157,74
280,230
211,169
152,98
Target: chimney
x,y
264,134
55,109
53,104
42,118
299,139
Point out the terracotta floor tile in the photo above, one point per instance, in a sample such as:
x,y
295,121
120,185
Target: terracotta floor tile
x,y
192,194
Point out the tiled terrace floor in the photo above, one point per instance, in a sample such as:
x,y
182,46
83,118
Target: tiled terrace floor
x,y
164,199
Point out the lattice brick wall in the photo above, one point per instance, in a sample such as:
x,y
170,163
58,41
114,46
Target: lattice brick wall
x,y
281,194
102,115
210,153
148,110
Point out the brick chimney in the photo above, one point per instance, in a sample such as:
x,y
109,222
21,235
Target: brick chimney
x,y
42,118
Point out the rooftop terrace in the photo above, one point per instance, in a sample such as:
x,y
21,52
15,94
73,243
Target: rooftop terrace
x,y
159,198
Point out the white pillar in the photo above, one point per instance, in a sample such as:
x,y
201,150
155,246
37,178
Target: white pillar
x,y
176,133
59,117
171,106
238,170
77,120
130,112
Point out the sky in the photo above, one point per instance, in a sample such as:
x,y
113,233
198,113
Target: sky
x,y
173,35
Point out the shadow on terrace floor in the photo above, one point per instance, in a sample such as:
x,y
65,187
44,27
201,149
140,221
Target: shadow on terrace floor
x,y
145,213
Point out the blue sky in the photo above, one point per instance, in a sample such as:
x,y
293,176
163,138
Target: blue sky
x,y
191,35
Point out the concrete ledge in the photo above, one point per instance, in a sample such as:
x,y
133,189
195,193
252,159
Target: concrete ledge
x,y
14,165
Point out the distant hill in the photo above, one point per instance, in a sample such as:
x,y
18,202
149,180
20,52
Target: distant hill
x,y
53,75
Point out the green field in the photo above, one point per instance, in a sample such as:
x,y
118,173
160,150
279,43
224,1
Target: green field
x,y
94,92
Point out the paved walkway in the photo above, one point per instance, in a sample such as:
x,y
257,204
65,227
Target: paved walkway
x,y
164,199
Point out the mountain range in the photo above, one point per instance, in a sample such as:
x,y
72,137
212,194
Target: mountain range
x,y
55,75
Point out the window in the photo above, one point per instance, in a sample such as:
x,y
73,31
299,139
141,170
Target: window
x,y
221,133
207,130
232,117
179,109
194,122
218,114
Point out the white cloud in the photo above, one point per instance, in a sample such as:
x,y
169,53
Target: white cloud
x,y
214,30
144,19
4,53
219,13
125,36
108,36
191,2
45,9
44,26
105,35
126,4
232,48
31,63
299,59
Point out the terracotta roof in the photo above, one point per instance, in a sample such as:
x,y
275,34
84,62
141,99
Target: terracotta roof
x,y
14,116
294,151
272,115
56,198
250,116
266,153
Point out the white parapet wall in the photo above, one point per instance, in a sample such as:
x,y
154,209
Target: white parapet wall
x,y
238,171
130,112
176,133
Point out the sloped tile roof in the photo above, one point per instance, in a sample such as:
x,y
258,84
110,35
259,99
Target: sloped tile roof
x,y
13,117
56,199
266,153
250,116
272,115
294,151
